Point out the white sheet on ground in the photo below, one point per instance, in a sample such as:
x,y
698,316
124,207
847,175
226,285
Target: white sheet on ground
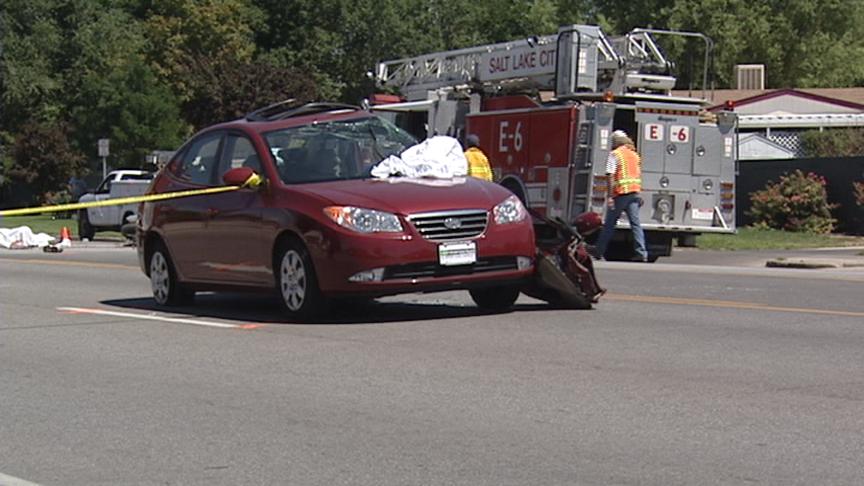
x,y
23,237
438,157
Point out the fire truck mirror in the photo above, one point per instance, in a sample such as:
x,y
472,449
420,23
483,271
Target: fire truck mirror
x,y
605,113
726,119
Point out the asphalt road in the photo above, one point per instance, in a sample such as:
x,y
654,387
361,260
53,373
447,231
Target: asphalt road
x,y
706,368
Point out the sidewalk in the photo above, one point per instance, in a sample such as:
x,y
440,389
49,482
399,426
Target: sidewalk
x,y
98,244
821,258
810,258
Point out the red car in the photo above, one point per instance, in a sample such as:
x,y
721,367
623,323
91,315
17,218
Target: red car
x,y
319,227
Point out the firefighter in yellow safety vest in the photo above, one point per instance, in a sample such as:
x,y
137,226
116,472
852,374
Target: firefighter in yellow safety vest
x,y
478,164
624,173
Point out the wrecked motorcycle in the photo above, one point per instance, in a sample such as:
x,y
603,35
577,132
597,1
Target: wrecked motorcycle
x,y
564,271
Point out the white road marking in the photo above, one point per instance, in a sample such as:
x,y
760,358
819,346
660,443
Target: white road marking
x,y
6,480
154,317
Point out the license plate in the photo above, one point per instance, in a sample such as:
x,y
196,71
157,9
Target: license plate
x,y
457,253
704,214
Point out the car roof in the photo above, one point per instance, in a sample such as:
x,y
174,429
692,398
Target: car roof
x,y
293,117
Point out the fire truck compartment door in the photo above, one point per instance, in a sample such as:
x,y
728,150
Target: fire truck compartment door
x,y
666,134
708,149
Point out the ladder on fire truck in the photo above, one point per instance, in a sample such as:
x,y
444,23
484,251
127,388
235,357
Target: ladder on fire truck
x,y
579,60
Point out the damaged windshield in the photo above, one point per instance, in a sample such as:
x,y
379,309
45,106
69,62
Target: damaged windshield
x,y
335,150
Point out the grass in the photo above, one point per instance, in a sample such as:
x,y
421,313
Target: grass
x,y
749,238
51,224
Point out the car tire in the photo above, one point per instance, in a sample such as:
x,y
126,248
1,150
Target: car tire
x,y
296,282
85,229
495,298
167,290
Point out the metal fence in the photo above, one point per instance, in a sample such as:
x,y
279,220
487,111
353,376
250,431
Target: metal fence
x,y
839,173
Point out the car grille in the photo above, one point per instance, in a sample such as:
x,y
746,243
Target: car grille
x,y
433,269
450,225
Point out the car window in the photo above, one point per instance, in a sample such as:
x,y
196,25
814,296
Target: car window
x,y
199,161
136,177
238,152
336,150
105,186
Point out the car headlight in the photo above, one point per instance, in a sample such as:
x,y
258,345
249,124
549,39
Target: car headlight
x,y
509,211
364,220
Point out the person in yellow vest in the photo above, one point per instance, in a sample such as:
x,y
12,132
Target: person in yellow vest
x,y
478,164
624,173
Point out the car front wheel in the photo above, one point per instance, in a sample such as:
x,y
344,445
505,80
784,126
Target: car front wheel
x,y
296,281
495,298
167,290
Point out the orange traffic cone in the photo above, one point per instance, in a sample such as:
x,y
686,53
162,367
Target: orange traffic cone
x,y
65,239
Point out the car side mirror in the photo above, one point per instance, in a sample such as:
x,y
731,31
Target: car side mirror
x,y
238,176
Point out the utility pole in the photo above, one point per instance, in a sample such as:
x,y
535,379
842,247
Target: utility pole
x,y
103,152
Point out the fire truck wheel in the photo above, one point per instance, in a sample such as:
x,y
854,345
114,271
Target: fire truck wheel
x,y
515,189
618,252
687,241
495,298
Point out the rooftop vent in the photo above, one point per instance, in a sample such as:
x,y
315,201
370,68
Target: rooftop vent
x,y
749,76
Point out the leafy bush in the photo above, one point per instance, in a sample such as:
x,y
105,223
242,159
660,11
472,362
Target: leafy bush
x,y
858,189
798,202
834,142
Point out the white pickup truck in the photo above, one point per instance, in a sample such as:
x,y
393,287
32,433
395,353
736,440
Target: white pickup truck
x,y
117,184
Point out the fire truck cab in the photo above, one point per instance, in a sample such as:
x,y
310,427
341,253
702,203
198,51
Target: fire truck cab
x,y
550,146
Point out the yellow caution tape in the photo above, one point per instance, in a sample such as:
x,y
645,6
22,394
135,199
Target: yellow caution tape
x,y
252,182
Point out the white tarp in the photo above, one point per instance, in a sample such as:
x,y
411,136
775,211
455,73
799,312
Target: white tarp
x,y
23,237
438,157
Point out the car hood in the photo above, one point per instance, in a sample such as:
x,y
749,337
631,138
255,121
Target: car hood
x,y
408,196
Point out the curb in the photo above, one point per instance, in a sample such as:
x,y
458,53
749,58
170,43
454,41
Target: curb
x,y
812,263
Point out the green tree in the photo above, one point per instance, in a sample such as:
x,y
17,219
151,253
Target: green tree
x,y
51,47
228,91
99,42
821,43
180,32
506,20
132,108
43,158
732,25
802,43
337,42
31,42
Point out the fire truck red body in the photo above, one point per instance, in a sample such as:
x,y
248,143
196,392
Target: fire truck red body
x,y
550,147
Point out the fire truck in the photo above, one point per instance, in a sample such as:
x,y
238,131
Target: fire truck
x,y
545,107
